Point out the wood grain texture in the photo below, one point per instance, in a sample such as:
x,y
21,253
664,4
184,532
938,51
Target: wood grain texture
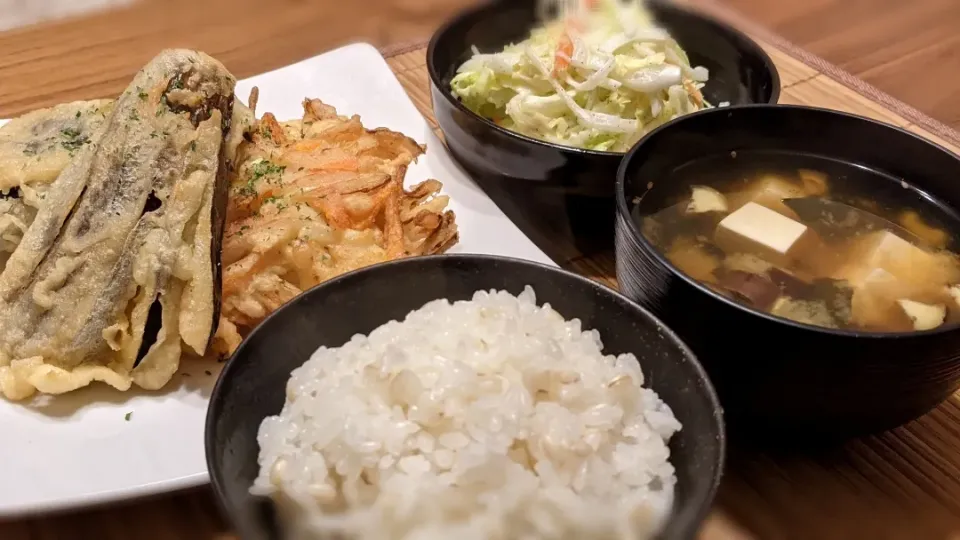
x,y
97,56
904,484
909,49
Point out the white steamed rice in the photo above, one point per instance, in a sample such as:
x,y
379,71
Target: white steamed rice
x,y
485,419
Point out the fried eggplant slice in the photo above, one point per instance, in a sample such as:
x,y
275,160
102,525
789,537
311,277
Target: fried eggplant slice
x,y
15,218
35,147
121,263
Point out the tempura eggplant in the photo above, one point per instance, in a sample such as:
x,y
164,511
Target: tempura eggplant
x,y
121,262
36,147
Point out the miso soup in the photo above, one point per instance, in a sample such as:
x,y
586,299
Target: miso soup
x,y
809,239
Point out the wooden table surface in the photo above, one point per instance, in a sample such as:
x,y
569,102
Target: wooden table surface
x,y
909,49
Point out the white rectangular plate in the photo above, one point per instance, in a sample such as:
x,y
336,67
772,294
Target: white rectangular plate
x,y
82,449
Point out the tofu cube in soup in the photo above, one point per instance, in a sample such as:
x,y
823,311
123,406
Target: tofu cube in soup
x,y
907,262
896,283
874,301
768,234
834,258
923,316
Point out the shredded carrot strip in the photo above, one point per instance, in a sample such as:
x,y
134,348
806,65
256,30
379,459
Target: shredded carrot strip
x,y
561,59
307,145
351,164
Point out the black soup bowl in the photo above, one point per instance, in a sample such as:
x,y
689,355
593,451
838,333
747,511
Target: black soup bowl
x,y
775,376
740,73
252,385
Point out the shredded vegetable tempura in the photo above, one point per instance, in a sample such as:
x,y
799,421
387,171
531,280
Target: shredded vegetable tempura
x,y
598,76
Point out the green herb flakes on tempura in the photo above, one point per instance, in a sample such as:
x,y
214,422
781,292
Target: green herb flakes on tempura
x,y
599,77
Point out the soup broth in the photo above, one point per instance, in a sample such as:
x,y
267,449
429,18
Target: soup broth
x,y
810,240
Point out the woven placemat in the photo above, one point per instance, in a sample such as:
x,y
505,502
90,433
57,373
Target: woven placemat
x,y
903,484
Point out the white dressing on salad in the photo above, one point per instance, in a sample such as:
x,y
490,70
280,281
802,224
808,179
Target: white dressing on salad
x,y
598,78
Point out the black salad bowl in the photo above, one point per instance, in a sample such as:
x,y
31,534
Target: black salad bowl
x,y
740,73
775,376
252,385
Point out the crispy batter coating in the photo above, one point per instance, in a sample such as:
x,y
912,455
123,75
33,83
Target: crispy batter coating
x,y
315,198
117,273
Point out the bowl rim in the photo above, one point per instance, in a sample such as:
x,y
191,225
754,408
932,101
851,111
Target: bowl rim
x,y
437,81
623,212
702,505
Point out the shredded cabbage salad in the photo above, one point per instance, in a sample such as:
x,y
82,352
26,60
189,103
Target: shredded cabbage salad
x,y
598,77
